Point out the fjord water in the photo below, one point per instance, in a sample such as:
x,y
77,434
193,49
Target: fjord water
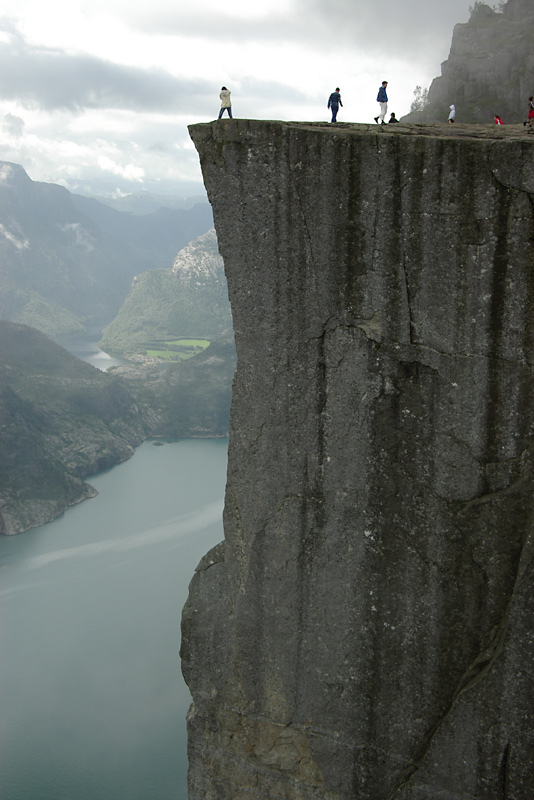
x,y
93,704
85,346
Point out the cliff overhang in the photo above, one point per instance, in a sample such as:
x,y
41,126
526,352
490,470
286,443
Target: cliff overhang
x,y
366,628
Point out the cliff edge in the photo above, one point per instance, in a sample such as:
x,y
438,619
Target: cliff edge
x,y
366,628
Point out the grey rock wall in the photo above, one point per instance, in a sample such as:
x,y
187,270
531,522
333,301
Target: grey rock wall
x,y
490,68
366,628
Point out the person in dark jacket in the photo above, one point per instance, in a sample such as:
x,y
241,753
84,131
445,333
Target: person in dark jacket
x,y
393,118
334,101
382,99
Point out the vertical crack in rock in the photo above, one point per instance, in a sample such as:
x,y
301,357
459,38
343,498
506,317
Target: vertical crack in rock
x,y
476,672
365,631
503,772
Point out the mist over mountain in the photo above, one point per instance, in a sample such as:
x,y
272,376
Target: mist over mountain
x,y
146,202
67,261
153,237
490,68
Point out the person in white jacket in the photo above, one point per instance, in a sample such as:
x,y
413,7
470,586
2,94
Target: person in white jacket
x,y
226,103
452,115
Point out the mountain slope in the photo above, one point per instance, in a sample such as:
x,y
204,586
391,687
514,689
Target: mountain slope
x,y
187,399
155,236
146,202
189,300
60,420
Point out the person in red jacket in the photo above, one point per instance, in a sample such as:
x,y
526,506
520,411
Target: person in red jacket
x,y
498,120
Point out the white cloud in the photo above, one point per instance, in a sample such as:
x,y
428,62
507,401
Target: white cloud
x,y
13,126
108,93
6,172
130,172
82,237
15,241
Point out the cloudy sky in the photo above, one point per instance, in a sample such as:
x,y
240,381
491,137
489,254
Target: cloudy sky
x,y
97,94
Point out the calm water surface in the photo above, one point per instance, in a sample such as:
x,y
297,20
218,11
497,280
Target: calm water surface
x,y
92,700
84,345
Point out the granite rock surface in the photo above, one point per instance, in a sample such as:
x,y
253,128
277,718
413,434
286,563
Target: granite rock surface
x,y
366,629
490,68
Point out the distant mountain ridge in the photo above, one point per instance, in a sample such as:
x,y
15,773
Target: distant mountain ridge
x,y
67,261
147,202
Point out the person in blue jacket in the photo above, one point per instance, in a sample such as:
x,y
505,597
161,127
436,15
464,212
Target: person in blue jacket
x,y
382,98
334,101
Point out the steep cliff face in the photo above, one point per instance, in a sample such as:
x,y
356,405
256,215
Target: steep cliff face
x,y
490,69
366,628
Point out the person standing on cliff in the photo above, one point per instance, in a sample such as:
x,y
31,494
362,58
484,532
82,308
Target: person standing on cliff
x,y
334,101
226,103
452,113
530,120
382,99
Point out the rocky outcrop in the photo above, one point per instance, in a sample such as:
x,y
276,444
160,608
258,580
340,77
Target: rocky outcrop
x,y
366,628
490,69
